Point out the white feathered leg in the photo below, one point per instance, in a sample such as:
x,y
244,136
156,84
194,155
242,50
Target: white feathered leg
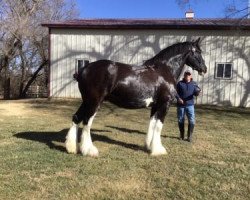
x,y
156,145
150,133
86,146
71,139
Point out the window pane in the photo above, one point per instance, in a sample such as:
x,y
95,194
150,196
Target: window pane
x,y
219,73
228,71
79,64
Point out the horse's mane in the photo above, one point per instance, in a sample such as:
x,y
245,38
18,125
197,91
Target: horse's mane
x,y
168,52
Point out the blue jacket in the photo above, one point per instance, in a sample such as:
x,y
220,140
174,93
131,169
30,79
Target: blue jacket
x,y
186,91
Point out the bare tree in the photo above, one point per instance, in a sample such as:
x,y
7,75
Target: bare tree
x,y
23,42
233,9
182,3
237,10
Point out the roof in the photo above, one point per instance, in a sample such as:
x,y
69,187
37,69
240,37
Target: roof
x,y
219,24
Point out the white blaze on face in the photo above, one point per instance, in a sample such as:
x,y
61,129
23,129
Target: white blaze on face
x,y
148,101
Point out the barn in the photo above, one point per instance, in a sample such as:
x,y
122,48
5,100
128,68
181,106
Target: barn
x,y
225,44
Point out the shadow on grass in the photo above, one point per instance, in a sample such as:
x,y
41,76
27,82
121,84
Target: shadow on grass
x,y
126,130
49,138
131,131
203,109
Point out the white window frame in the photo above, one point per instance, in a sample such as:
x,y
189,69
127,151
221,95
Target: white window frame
x,y
223,77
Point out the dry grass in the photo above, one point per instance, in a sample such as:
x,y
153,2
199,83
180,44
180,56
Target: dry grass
x,y
34,164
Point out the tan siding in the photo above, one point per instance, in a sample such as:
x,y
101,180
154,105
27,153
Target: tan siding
x,y
239,73
210,64
231,58
52,64
72,48
247,52
235,69
136,46
245,72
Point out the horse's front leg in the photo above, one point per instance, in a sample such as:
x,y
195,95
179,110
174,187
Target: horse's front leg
x,y
156,146
152,124
150,132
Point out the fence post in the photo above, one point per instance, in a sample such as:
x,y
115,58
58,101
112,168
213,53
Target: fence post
x,y
6,94
37,91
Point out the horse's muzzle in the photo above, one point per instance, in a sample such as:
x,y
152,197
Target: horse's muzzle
x,y
203,70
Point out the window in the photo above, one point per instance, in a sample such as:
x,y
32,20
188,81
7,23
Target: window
x,y
80,63
224,70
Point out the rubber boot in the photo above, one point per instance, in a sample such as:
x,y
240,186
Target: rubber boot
x,y
181,128
190,132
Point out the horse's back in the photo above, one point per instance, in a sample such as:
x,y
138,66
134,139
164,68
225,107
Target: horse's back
x,y
122,84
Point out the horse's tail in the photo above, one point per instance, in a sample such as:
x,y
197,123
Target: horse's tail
x,y
77,74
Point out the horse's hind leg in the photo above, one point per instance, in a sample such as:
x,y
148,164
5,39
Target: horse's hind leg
x,y
71,142
86,146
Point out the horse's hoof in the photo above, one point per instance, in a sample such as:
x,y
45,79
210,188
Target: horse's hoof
x,y
91,151
71,147
159,151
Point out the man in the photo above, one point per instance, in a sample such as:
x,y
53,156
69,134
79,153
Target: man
x,y
186,90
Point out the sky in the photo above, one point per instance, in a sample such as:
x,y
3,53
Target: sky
x,y
153,8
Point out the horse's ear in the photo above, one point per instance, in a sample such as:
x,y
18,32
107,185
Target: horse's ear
x,y
197,41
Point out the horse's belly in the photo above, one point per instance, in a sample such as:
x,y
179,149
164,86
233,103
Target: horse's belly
x,y
132,100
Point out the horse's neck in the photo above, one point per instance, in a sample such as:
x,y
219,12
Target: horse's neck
x,y
169,60
176,65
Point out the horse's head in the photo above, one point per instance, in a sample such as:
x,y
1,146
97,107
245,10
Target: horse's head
x,y
194,58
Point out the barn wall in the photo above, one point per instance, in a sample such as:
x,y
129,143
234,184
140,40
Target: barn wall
x,y
135,46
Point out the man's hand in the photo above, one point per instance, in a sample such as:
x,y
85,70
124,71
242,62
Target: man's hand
x,y
197,90
180,101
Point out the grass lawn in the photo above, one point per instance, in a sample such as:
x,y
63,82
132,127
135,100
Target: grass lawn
x,y
35,165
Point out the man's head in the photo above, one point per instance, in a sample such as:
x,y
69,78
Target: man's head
x,y
187,76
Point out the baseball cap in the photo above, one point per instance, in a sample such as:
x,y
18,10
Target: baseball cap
x,y
187,72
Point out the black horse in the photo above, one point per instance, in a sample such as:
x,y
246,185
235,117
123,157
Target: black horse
x,y
152,84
